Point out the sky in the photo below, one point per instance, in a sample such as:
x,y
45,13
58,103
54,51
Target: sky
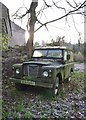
x,y
60,28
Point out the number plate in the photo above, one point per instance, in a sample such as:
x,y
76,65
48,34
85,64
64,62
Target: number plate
x,y
27,82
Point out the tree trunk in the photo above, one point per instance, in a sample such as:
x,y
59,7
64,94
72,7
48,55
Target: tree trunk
x,y
31,30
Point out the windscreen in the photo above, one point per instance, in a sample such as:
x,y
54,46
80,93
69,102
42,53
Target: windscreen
x,y
56,53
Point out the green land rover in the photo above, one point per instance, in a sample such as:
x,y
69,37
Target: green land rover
x,y
48,68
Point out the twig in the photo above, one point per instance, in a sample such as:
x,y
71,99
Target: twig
x,y
69,13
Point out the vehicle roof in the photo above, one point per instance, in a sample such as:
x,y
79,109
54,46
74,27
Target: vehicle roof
x,y
52,47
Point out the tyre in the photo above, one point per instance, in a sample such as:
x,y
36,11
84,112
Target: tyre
x,y
56,87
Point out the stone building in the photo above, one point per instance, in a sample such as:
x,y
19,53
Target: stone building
x,y
15,33
5,23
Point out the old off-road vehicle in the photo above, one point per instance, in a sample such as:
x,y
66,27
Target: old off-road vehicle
x,y
48,68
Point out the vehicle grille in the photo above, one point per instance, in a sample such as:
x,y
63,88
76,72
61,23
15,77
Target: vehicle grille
x,y
31,70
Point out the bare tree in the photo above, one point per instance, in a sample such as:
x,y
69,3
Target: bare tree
x,y
31,31
75,8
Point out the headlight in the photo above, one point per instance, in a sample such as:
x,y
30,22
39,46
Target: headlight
x,y
17,71
45,74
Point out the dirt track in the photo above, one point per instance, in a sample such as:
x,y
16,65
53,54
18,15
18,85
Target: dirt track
x,y
81,67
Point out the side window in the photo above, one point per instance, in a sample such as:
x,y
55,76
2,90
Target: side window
x,y
65,55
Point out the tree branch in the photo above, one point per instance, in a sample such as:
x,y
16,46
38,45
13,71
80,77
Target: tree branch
x,y
70,4
58,6
70,12
46,4
75,3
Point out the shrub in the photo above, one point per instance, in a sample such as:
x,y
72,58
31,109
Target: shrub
x,y
4,42
78,57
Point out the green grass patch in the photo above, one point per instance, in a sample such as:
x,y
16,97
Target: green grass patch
x,y
77,82
28,115
18,112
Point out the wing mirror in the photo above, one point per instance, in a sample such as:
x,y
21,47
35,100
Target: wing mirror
x,y
68,56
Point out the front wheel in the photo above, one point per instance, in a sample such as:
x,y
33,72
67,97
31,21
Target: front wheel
x,y
56,87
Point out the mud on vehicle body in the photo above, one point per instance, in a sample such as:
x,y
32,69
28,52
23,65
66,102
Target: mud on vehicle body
x,y
48,68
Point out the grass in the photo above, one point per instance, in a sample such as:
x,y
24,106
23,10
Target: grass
x,y
76,85
19,108
77,82
28,115
18,112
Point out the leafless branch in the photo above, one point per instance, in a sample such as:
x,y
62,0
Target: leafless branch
x,y
42,24
46,27
70,4
79,13
69,13
41,12
45,7
42,8
76,8
58,6
46,4
39,22
28,11
74,24
66,21
16,12
75,3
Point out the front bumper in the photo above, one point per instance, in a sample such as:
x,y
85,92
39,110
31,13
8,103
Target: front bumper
x,y
32,83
